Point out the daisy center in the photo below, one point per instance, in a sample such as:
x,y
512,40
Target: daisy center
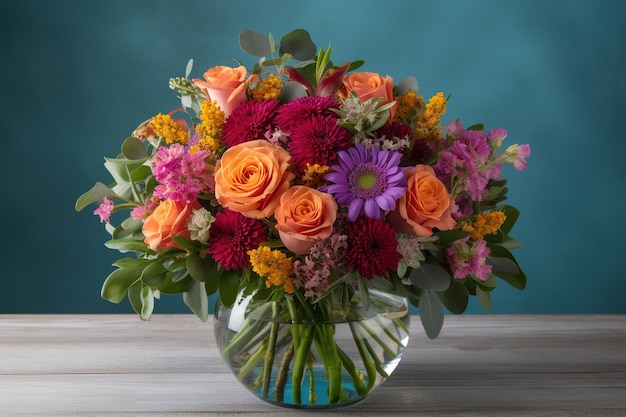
x,y
367,181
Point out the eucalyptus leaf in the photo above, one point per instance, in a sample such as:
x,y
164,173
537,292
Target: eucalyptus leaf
x,y
431,314
365,295
147,302
229,287
298,43
455,298
512,214
195,297
449,236
139,263
154,274
502,265
484,298
202,270
188,68
116,284
133,148
255,43
95,195
430,277
134,296
290,91
174,287
126,245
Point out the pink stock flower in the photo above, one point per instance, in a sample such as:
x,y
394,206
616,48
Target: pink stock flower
x,y
516,155
182,175
465,259
104,210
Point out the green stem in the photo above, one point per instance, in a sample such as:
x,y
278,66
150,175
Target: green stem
x,y
327,348
374,336
269,354
351,369
253,360
375,358
248,332
301,356
369,368
388,332
283,373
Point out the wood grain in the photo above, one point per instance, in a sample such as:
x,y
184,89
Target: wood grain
x,y
482,365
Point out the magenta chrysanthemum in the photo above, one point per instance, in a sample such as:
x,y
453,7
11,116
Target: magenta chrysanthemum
x,y
249,121
293,113
232,235
372,247
367,180
317,140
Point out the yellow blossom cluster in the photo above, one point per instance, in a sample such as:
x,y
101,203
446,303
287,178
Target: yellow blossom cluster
x,y
165,127
273,265
485,224
267,89
212,119
408,104
313,175
429,121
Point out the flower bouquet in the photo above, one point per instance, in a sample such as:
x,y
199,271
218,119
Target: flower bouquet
x,y
318,201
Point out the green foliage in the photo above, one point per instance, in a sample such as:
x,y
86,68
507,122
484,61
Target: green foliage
x,y
431,313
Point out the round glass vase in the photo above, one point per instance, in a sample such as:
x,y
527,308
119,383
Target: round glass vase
x,y
313,363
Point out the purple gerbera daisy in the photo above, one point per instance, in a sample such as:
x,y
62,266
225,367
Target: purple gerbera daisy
x,y
367,180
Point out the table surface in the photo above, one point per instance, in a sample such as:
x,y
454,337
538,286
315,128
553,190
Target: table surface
x,y
481,365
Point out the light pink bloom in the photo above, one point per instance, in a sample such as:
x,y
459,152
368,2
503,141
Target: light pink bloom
x,y
465,259
516,155
104,210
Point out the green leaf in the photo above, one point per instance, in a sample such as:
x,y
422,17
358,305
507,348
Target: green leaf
x,y
174,287
154,274
449,236
365,295
116,284
147,302
134,296
290,91
126,245
430,277
431,314
298,43
95,195
485,299
197,300
132,263
455,298
477,126
516,281
229,287
133,148
202,270
255,43
503,265
512,214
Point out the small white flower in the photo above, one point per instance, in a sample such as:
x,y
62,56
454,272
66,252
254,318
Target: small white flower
x,y
199,224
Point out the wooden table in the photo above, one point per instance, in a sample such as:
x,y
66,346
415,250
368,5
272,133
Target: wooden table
x,y
117,365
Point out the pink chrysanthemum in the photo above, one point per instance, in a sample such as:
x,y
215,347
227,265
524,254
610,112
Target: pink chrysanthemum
x,y
372,247
249,121
293,113
367,180
317,140
232,235
465,259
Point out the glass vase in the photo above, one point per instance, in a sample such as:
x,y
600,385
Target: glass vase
x,y
313,363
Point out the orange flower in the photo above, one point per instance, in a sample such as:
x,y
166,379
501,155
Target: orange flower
x,y
425,205
369,85
304,216
251,177
226,85
169,219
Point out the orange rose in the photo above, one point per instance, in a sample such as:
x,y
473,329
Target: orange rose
x,y
304,216
368,85
425,205
251,177
225,85
169,219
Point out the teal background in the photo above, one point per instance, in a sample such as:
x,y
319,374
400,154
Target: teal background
x,y
78,76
